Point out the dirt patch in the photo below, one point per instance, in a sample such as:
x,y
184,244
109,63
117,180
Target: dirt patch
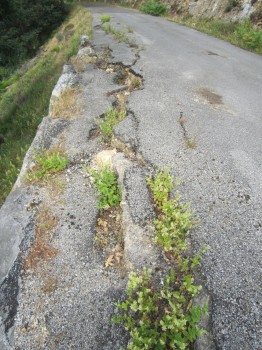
x,y
68,105
41,249
210,96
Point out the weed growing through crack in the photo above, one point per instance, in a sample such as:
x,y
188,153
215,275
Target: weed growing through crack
x,y
160,314
111,118
175,218
160,317
105,18
105,181
47,164
119,35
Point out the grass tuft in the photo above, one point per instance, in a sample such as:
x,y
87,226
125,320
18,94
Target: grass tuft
x,y
46,165
111,118
105,18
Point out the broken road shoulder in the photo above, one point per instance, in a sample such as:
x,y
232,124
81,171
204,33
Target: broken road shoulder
x,y
66,265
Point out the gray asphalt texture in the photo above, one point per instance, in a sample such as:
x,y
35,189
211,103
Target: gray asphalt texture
x,y
218,88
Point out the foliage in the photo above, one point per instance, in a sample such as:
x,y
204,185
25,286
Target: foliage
x,y
105,18
47,164
160,314
175,219
109,191
154,7
24,25
242,34
26,100
248,36
111,118
160,317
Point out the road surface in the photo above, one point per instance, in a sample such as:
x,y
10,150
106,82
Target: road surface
x,y
216,150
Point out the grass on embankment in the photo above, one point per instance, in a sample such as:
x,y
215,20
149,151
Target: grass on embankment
x,y
26,101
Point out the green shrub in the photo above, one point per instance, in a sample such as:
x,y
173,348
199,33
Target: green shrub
x,y
154,8
105,18
105,181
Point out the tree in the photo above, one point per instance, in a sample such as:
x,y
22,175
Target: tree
x,y
24,25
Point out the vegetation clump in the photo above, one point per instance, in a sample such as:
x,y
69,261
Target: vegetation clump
x,y
47,164
105,181
154,8
158,311
105,18
111,118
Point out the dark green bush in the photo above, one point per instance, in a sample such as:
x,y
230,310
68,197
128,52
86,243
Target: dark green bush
x,y
154,8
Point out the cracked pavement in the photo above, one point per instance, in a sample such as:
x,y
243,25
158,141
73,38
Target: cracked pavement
x,y
199,111
218,88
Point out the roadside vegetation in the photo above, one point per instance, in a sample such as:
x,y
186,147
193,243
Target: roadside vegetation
x,y
25,101
154,8
158,311
241,34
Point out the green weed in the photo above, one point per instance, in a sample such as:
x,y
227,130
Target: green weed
x,y
111,118
119,35
175,218
47,164
154,8
160,316
105,181
105,18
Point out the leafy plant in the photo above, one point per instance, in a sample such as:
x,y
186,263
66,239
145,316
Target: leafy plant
x,y
111,118
160,317
175,218
160,314
105,181
47,164
119,35
105,18
154,8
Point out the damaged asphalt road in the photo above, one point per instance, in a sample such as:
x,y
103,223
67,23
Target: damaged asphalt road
x,y
199,112
218,88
